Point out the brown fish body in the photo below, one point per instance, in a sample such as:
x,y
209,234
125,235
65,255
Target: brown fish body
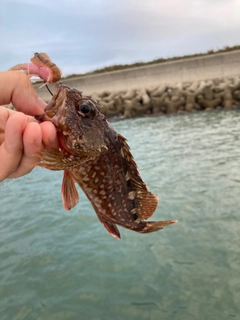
x,y
93,155
116,197
99,160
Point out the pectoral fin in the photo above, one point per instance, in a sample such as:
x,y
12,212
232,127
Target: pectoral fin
x,y
52,159
70,195
57,159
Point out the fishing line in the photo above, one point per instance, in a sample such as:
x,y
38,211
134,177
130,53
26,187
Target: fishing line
x,y
49,90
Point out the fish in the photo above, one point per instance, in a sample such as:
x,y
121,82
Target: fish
x,y
93,155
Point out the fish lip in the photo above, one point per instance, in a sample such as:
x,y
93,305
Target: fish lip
x,y
52,107
58,98
58,85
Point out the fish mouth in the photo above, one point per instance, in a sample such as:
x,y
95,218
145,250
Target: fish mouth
x,y
56,112
52,107
57,100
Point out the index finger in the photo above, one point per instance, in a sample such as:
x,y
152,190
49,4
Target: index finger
x,y
16,88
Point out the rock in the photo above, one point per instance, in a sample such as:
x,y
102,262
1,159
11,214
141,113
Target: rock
x,y
216,82
207,104
151,89
170,106
108,109
178,98
159,91
207,91
236,83
158,103
236,95
219,88
190,102
218,95
104,94
118,102
130,107
227,98
176,92
129,95
110,97
146,99
193,87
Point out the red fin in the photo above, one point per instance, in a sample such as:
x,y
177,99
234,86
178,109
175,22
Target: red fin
x,y
57,159
111,228
145,204
70,195
151,226
51,158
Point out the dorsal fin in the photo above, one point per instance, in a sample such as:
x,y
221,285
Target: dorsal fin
x,y
145,202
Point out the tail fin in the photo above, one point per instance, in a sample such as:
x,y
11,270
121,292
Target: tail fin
x,y
151,226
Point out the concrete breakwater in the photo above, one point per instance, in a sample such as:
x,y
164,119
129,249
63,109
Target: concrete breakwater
x,y
185,85
179,98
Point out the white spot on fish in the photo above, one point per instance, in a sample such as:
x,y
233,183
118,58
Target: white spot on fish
x,y
131,195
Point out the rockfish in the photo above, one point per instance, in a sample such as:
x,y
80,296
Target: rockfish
x,y
98,159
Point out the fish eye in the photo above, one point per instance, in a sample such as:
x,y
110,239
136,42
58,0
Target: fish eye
x,y
84,108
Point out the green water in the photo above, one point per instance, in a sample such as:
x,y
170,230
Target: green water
x,y
59,265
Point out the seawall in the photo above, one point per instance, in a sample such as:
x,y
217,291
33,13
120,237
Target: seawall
x,y
118,89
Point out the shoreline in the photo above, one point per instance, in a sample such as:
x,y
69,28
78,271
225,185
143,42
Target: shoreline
x,y
165,99
187,85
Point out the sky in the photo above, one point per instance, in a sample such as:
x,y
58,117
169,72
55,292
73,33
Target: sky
x,y
82,36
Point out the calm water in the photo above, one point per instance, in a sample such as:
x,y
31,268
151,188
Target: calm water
x,y
59,265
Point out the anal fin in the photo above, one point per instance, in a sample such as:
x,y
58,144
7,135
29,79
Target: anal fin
x,y
111,228
70,195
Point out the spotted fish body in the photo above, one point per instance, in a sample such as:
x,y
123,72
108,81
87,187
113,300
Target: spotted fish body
x,y
97,158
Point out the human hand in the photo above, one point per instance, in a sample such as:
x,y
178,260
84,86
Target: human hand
x,y
21,136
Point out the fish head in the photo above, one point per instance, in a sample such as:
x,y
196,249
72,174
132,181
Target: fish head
x,y
82,128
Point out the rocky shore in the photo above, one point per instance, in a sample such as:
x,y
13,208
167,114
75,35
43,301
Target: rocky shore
x,y
165,99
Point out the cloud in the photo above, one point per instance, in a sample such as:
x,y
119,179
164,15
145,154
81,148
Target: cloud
x,y
81,36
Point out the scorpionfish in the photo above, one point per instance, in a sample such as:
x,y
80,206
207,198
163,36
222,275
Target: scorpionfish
x,y
98,159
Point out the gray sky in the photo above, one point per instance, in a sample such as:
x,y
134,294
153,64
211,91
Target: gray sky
x,y
82,36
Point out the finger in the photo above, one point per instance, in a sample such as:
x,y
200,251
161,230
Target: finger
x,y
5,114
11,149
32,140
49,135
16,88
32,144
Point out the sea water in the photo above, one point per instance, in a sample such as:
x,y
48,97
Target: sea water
x,y
63,265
